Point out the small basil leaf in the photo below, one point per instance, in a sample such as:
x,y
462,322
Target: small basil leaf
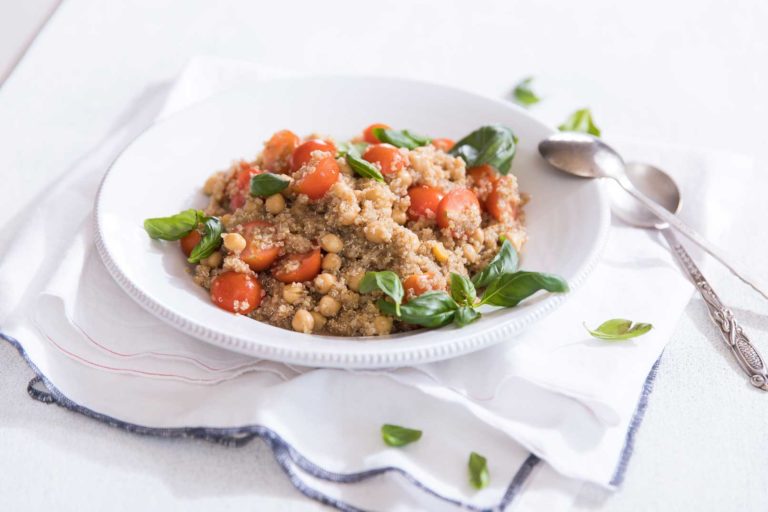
x,y
505,262
462,289
267,184
385,281
619,329
509,289
351,148
430,309
494,145
173,227
210,241
580,121
465,315
523,94
421,140
394,435
400,139
478,471
364,168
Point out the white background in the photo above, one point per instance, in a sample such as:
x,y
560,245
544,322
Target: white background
x,y
692,73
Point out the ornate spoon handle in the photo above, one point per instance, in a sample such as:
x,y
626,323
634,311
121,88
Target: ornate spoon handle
x,y
747,356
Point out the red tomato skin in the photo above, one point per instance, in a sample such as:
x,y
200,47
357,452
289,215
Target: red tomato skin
x,y
443,144
309,267
231,290
368,135
424,201
258,258
303,153
387,156
189,241
456,200
319,180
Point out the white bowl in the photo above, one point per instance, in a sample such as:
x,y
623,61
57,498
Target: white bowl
x,y
162,172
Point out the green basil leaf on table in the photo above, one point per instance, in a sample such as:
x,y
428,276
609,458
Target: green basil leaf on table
x,y
364,168
394,435
494,145
523,93
462,290
385,281
505,262
430,309
351,148
400,138
580,121
509,289
478,471
210,241
268,184
174,227
465,315
619,329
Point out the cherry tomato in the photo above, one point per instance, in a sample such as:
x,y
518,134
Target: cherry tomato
x,y
318,180
257,257
454,204
499,208
235,292
417,284
303,153
296,268
483,174
368,135
243,185
387,156
443,144
424,201
276,156
189,241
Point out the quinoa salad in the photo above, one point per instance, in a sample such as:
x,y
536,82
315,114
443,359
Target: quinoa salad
x,y
387,232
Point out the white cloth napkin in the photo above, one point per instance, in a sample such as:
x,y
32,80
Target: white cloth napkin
x,y
554,392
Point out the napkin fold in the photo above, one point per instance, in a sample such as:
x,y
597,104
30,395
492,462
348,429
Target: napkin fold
x,y
551,409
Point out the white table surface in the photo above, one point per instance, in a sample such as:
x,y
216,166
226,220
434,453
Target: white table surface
x,y
692,73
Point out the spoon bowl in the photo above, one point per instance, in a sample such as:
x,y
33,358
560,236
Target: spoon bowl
x,y
582,155
656,185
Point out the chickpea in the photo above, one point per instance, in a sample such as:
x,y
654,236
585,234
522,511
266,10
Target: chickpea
x,y
382,324
210,185
331,262
320,321
399,216
328,306
293,293
470,254
303,321
331,243
353,280
214,260
234,242
440,252
324,282
275,204
377,233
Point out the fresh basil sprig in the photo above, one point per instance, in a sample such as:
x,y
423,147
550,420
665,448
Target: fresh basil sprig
x,y
462,290
387,282
351,148
523,93
478,471
268,184
509,289
394,435
400,138
619,329
364,168
580,121
505,262
210,241
174,227
465,315
430,309
494,145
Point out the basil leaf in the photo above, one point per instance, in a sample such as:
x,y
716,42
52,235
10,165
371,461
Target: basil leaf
x,y
509,289
351,148
465,315
394,435
210,241
400,139
387,282
505,262
173,227
494,145
619,329
364,168
478,471
580,121
267,184
430,309
523,94
462,290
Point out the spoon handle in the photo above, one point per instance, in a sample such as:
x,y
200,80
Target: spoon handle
x,y
674,221
746,355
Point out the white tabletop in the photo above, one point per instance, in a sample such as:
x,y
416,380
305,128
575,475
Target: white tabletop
x,y
691,73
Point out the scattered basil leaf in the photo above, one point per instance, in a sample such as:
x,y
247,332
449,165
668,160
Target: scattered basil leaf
x,y
210,241
619,329
465,315
267,184
430,309
494,145
523,93
580,121
505,262
509,289
351,148
478,471
462,290
387,282
364,168
394,435
400,139
173,227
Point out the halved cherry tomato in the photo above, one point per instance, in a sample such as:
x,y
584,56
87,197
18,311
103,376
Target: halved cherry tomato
x,y
443,144
189,241
318,180
296,268
303,153
258,258
454,204
235,292
243,185
368,135
276,156
387,156
417,284
499,208
424,201
483,173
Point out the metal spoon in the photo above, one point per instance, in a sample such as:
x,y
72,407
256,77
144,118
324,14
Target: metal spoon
x,y
659,187
589,157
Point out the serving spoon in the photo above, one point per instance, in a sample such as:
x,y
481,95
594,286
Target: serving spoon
x,y
659,187
588,157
